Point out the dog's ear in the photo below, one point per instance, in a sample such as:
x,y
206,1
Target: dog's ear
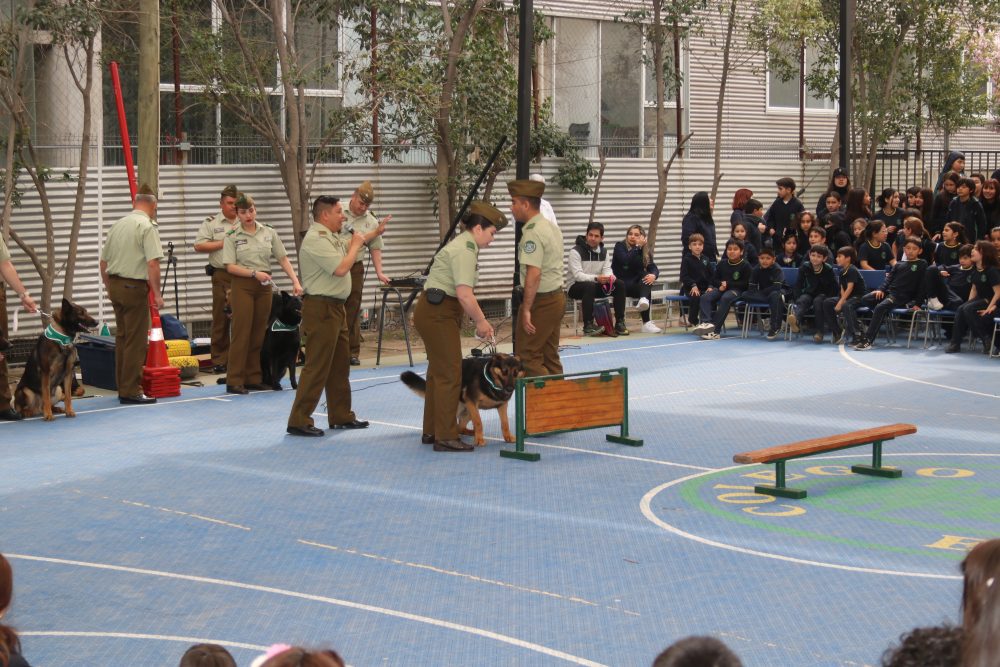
x,y
67,307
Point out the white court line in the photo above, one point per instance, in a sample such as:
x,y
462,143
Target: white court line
x,y
644,507
633,349
448,625
134,635
129,407
843,353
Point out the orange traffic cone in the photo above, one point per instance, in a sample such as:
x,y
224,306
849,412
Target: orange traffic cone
x,y
159,378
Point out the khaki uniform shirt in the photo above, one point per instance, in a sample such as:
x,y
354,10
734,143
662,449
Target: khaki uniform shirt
x,y
542,246
215,229
455,264
362,224
4,253
252,251
321,253
132,243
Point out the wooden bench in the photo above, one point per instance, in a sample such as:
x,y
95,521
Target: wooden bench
x,y
778,455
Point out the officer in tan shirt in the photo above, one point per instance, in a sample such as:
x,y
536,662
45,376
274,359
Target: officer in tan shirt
x,y
540,254
246,253
448,296
9,276
210,240
325,260
130,269
361,220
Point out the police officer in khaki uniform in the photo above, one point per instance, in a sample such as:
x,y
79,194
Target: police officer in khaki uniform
x,y
130,269
448,294
541,256
9,276
210,240
360,219
325,258
246,253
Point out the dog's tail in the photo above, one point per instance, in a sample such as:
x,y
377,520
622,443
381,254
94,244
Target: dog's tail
x,y
414,382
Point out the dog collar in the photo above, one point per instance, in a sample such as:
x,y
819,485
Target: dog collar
x,y
278,325
53,335
489,380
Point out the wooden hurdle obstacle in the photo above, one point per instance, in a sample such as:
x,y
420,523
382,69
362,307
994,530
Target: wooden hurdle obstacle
x,y
778,455
573,402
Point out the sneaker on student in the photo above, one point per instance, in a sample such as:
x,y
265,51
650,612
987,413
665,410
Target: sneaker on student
x,y
592,330
643,304
934,303
620,328
711,335
703,327
772,335
865,344
793,322
649,327
818,337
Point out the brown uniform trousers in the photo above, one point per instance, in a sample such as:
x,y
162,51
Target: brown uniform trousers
x,y
251,303
5,395
354,307
440,329
221,280
130,299
328,363
539,352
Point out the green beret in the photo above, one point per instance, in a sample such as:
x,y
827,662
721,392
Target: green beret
x,y
366,192
244,201
230,191
491,213
525,187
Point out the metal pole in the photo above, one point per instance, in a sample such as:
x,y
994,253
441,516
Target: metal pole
x,y
526,50
844,118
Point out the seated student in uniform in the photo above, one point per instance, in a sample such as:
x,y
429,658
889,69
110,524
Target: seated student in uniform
x,y
904,287
789,257
995,238
873,252
952,238
816,282
741,231
978,312
732,278
767,285
817,236
753,215
590,277
852,288
696,276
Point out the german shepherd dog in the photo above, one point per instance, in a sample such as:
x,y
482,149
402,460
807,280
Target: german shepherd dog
x,y
487,382
48,374
4,345
282,340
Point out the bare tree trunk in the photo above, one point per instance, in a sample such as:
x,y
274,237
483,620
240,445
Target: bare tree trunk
x,y
602,154
651,234
661,93
84,82
720,103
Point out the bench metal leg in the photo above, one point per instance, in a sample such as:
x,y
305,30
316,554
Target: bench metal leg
x,y
876,469
778,489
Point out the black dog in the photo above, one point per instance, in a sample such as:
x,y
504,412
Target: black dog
x,y
4,345
282,340
48,375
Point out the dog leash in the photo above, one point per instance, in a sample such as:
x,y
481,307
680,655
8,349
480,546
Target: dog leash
x,y
17,311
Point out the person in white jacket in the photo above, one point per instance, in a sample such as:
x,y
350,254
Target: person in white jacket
x,y
590,278
545,208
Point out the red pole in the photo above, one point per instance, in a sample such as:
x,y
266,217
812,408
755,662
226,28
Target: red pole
x,y
123,126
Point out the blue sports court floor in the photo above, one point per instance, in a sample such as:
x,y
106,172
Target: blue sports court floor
x,y
135,531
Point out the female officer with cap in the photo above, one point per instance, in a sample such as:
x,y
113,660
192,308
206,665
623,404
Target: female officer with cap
x,y
246,252
438,317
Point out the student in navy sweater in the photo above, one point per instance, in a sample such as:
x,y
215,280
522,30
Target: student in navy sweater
x,y
815,283
978,312
852,288
966,209
633,265
874,254
696,276
767,285
732,278
952,239
904,287
789,256
781,215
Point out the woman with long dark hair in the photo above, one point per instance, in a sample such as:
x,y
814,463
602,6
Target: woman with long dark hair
x,y
633,264
889,211
858,204
991,202
840,183
10,644
699,220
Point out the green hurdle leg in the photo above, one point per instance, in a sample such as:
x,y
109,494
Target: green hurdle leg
x,y
778,489
519,419
876,469
622,438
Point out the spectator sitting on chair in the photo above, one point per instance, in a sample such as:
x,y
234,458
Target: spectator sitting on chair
x,y
978,312
698,220
590,277
789,257
732,278
981,605
852,287
633,265
697,652
816,282
696,276
904,287
10,644
767,285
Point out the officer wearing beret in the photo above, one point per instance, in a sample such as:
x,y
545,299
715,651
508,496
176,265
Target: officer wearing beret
x,y
9,275
541,256
448,295
130,269
326,258
361,220
210,240
246,253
